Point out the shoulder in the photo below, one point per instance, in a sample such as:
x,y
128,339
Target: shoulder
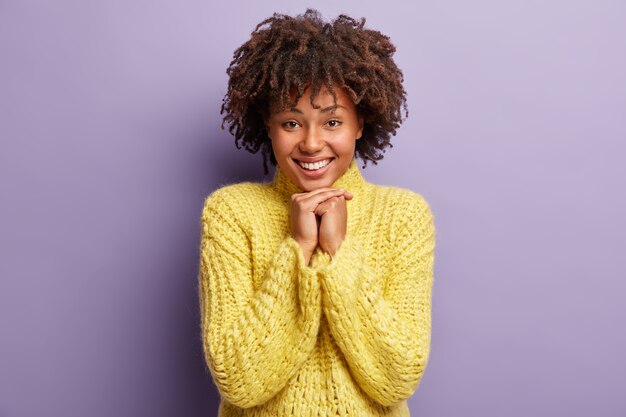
x,y
237,196
407,213
235,201
401,202
230,211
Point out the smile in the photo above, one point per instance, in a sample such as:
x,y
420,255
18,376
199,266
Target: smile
x,y
314,166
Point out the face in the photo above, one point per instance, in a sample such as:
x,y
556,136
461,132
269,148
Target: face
x,y
314,147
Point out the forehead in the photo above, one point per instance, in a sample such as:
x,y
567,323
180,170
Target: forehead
x,y
323,99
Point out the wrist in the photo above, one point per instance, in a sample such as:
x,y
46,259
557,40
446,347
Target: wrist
x,y
307,249
331,247
331,250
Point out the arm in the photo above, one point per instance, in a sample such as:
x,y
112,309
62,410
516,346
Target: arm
x,y
382,323
254,341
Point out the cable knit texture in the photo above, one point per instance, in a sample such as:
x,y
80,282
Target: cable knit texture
x,y
342,336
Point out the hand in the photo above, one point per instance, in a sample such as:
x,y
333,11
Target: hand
x,y
304,221
334,222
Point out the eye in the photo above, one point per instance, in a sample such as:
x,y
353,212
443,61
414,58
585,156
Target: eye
x,y
333,123
290,124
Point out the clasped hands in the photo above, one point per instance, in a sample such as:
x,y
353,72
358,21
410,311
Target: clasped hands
x,y
319,217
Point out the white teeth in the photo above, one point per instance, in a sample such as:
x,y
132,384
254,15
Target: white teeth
x,y
315,165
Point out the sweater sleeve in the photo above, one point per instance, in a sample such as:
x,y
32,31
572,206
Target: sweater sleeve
x,y
254,340
381,320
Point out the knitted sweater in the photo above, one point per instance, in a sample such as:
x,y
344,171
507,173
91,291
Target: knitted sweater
x,y
342,336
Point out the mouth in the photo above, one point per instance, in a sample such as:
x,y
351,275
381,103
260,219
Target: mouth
x,y
314,166
315,169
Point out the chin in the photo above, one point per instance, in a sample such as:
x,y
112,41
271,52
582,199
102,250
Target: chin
x,y
311,186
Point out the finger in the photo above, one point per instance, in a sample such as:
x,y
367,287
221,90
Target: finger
x,y
329,204
321,210
344,197
311,201
317,191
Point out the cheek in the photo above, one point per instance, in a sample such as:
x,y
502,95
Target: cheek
x,y
346,145
281,146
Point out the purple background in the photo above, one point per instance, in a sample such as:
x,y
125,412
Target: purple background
x,y
110,140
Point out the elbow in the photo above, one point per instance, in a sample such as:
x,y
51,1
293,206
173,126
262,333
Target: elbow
x,y
412,372
403,388
401,380
236,389
242,386
237,396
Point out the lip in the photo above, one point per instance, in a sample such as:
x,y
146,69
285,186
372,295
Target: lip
x,y
314,174
312,160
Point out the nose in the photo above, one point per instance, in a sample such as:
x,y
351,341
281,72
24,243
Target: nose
x,y
312,141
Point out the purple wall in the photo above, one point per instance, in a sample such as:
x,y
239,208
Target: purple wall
x,y
110,140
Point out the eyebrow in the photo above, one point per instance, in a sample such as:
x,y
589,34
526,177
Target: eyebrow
x,y
328,109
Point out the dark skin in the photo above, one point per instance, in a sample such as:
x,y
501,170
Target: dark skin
x,y
327,133
286,53
319,217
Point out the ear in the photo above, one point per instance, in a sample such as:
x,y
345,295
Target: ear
x,y
267,128
360,124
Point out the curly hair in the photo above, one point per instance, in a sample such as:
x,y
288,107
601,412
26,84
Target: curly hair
x,y
290,54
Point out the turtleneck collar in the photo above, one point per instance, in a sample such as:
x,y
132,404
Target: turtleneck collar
x,y
351,180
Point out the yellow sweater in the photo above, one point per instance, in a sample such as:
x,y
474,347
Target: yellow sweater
x,y
347,336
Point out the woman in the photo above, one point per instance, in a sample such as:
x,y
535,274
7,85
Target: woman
x,y
315,289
